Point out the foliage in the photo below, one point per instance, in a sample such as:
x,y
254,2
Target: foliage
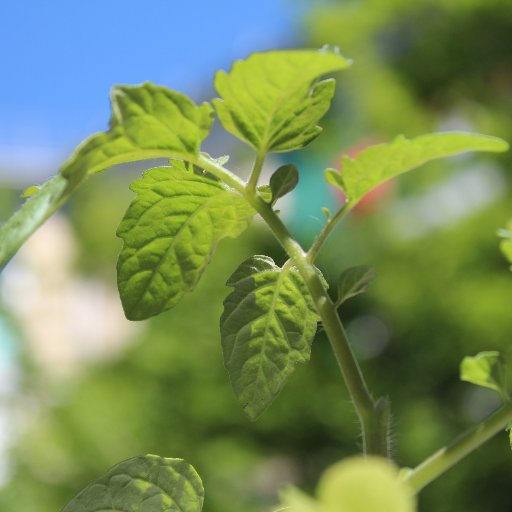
x,y
184,209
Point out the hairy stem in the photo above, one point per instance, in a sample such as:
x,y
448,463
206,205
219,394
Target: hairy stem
x,y
375,433
446,457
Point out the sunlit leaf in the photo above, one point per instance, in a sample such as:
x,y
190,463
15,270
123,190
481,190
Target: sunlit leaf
x,y
273,100
267,327
353,281
485,369
364,484
148,121
170,232
143,484
377,164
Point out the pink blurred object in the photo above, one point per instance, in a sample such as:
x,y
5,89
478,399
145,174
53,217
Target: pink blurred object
x,y
373,199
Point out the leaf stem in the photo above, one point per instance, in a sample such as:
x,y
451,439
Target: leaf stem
x,y
32,213
446,457
256,170
324,234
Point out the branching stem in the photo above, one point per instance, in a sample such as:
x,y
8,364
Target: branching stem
x,y
448,456
324,234
374,416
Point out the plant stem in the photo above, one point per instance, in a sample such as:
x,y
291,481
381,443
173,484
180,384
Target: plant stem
x,y
374,416
256,170
446,457
33,212
322,237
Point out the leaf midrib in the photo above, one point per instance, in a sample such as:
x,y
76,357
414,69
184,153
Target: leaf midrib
x,y
174,240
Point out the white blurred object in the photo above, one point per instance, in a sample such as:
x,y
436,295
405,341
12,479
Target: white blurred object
x,y
67,321
444,205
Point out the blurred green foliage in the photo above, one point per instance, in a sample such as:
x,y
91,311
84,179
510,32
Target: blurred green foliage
x,y
438,296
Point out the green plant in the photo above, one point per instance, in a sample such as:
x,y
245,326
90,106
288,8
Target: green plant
x,y
182,210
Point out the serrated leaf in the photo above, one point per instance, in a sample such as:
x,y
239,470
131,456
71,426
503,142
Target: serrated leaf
x,y
364,484
272,101
284,180
353,281
485,369
143,484
267,327
170,232
379,163
148,121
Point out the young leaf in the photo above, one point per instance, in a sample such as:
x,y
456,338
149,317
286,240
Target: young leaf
x,y
379,163
143,484
364,484
485,369
353,281
327,213
170,232
272,100
267,327
284,180
266,193
148,121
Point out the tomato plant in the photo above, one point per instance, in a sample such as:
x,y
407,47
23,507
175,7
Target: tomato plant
x,y
273,102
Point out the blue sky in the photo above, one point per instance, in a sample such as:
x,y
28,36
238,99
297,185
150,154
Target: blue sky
x,y
60,58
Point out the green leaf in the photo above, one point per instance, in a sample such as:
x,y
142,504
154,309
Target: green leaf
x,y
148,121
143,484
284,180
327,213
353,281
485,369
266,193
30,191
364,484
272,100
267,327
170,232
379,163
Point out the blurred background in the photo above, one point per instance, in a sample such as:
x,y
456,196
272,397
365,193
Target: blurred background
x,y
81,388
